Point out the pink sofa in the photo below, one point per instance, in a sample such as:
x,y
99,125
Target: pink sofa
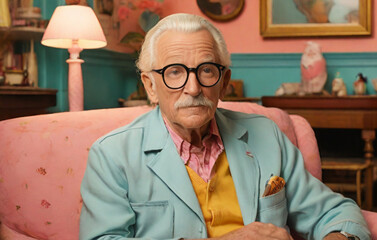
x,y
43,158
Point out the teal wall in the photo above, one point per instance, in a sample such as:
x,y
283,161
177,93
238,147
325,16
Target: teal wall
x,y
107,76
263,73
53,73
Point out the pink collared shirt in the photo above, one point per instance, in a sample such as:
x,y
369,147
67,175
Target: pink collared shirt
x,y
200,159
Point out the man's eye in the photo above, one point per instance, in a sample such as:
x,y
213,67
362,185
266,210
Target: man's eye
x,y
174,72
207,70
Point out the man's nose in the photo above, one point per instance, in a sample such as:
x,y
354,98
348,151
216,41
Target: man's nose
x,y
192,86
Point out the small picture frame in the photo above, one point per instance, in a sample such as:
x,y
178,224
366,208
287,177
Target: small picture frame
x,y
234,89
220,10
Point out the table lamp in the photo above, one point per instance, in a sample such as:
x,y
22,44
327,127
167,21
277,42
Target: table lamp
x,y
74,27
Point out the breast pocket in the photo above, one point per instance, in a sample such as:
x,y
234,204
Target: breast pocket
x,y
273,209
154,219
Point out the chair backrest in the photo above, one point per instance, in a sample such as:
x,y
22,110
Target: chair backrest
x,y
43,159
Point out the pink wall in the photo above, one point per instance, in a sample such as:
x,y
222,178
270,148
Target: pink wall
x,y
242,33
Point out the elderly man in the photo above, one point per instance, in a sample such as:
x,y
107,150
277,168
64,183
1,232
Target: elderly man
x,y
188,170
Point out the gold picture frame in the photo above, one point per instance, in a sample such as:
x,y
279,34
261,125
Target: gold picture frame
x,y
360,27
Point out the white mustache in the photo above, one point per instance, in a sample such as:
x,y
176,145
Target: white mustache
x,y
190,101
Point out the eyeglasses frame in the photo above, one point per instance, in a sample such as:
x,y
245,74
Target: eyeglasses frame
x,y
188,70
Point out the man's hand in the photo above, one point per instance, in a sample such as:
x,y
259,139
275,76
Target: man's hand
x,y
257,231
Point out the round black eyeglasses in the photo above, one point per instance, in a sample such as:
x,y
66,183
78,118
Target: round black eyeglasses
x,y
175,75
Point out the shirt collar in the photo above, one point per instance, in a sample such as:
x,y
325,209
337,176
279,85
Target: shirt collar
x,y
184,148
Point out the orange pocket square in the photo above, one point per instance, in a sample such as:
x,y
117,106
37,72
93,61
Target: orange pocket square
x,y
274,185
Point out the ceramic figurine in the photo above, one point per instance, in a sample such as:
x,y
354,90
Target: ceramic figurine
x,y
360,85
338,87
288,89
313,69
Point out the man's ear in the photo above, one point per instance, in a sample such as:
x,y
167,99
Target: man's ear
x,y
225,82
148,85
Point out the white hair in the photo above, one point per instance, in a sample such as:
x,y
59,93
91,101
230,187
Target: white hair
x,y
181,22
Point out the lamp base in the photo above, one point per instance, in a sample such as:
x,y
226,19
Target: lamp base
x,y
75,85
75,82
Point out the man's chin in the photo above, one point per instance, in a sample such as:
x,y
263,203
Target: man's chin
x,y
198,113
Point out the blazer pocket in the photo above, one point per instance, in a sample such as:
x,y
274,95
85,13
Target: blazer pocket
x,y
154,219
273,209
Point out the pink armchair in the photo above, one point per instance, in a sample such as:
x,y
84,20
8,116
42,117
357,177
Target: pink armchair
x,y
43,158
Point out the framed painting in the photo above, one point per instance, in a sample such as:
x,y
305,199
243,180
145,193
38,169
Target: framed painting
x,y
234,88
308,18
221,10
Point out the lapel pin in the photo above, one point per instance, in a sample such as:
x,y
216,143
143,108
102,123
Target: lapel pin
x,y
249,154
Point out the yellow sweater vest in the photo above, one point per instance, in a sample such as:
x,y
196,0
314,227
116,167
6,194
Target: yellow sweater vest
x,y
218,199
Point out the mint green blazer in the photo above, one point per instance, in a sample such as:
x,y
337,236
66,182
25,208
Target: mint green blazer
x,y
136,185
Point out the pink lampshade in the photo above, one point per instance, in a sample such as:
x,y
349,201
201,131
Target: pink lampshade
x,y
74,22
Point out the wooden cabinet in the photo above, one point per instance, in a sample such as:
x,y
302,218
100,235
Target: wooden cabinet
x,y
25,101
349,112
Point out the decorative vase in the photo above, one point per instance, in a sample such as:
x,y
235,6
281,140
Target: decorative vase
x,y
32,66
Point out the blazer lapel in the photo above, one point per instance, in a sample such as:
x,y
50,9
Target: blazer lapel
x,y
167,164
243,166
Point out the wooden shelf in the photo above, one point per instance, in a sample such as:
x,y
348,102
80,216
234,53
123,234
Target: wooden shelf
x,y
242,99
321,102
22,33
26,90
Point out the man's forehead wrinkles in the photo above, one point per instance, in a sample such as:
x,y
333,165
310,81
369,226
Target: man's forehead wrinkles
x,y
176,56
188,45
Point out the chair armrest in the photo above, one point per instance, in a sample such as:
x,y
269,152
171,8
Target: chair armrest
x,y
371,218
307,143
